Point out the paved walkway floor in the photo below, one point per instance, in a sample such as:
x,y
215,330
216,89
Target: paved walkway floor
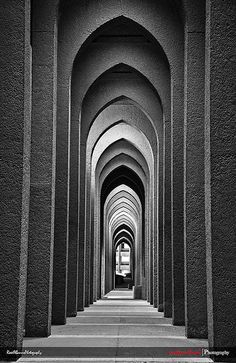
x,y
115,329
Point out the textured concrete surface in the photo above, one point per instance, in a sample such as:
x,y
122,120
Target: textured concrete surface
x,y
81,257
158,263
15,90
177,197
60,257
42,179
220,172
155,18
167,249
142,44
195,244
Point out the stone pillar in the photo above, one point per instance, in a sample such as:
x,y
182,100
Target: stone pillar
x,y
177,207
93,257
159,255
151,247
167,250
155,273
15,110
119,258
220,173
194,237
88,246
61,224
72,278
97,240
42,179
81,263
73,242
154,244
80,302
147,254
96,258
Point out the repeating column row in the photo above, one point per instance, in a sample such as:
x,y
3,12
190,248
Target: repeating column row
x,y
188,266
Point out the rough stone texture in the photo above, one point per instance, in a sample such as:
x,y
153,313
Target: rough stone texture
x,y
155,272
92,293
159,253
167,250
150,90
72,284
80,302
151,265
73,249
60,258
194,15
195,245
177,197
42,180
88,249
15,105
220,166
77,22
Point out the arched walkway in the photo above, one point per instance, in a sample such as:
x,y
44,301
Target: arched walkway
x,y
118,143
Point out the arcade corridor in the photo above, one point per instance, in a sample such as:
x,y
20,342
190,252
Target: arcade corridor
x,y
118,150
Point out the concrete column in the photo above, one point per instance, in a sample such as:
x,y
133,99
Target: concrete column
x,y
194,237
159,255
154,244
143,253
113,268
97,241
93,269
177,195
131,264
42,179
77,159
167,250
60,257
80,302
147,250
119,258
151,265
81,264
155,275
87,273
220,173
15,110
88,247
107,253
73,242
94,235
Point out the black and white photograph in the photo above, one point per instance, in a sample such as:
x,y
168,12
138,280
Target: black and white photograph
x,y
117,181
